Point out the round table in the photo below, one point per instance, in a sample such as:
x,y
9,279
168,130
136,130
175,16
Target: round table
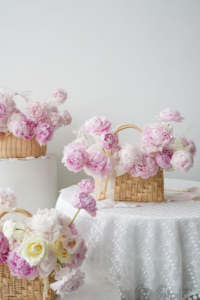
x,y
150,252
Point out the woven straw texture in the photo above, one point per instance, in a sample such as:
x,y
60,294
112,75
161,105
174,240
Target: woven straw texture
x,y
12,288
137,189
13,147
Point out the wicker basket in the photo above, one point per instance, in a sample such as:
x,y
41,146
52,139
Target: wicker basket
x,y
13,147
128,188
12,288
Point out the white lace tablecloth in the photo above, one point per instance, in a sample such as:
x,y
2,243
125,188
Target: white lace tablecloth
x,y
150,252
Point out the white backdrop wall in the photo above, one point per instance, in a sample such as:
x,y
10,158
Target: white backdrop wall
x,y
124,59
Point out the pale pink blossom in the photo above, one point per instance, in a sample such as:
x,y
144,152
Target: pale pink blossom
x,y
109,141
79,257
189,145
55,120
37,112
146,168
49,223
19,267
7,100
129,156
44,133
75,156
46,266
12,119
86,185
8,197
156,136
58,96
66,117
99,164
182,160
170,115
163,158
22,129
72,243
81,200
68,282
97,125
4,248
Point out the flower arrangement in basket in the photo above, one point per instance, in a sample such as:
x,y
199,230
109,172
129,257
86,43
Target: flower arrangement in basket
x,y
42,257
24,135
130,172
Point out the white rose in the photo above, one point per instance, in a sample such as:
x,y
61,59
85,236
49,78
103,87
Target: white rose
x,y
9,228
34,250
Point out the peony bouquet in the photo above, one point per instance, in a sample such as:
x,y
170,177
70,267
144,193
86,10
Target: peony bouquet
x,y
41,119
48,244
98,152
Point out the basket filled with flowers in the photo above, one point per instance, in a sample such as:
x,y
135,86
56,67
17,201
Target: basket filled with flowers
x,y
130,172
41,257
27,134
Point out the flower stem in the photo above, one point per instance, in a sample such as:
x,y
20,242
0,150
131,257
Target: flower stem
x,y
20,229
74,217
60,263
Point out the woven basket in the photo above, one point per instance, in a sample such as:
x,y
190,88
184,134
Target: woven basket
x,y
137,189
12,288
13,147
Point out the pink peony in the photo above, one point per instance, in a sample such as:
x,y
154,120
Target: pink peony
x,y
86,185
68,282
49,223
109,141
19,267
66,117
170,115
182,160
37,112
58,96
7,197
99,164
4,248
72,243
20,129
44,133
189,145
129,156
46,266
156,136
55,120
79,257
97,125
75,157
163,158
81,200
146,168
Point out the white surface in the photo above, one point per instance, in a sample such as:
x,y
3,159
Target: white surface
x,y
94,290
126,60
34,181
151,251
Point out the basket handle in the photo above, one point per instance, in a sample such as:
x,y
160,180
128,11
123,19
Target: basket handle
x,y
126,126
19,210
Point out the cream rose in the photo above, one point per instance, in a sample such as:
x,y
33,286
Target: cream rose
x,y
34,250
61,253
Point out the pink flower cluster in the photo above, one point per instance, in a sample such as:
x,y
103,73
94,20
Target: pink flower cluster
x,y
82,198
41,120
158,148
